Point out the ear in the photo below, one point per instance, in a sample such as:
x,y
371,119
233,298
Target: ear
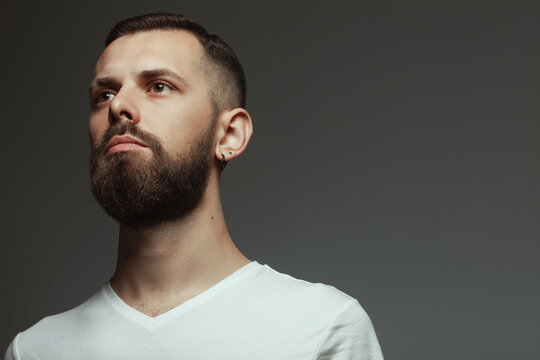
x,y
234,131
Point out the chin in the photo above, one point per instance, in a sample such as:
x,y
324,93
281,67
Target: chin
x,y
129,157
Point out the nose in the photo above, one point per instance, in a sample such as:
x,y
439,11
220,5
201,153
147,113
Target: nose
x,y
123,107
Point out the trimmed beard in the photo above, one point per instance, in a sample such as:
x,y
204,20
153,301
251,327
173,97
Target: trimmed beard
x,y
141,192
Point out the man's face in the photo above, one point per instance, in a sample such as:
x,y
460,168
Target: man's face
x,y
153,79
151,127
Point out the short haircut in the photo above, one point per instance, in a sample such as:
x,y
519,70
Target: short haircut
x,y
223,69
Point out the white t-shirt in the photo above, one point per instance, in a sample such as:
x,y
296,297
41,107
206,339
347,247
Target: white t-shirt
x,y
255,313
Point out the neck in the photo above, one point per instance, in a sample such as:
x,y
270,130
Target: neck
x,y
164,265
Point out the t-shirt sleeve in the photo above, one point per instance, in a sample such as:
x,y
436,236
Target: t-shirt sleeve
x,y
11,350
350,337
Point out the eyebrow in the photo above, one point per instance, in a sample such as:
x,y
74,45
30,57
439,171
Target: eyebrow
x,y
154,73
109,81
103,82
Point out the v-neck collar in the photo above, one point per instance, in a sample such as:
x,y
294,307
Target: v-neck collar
x,y
152,323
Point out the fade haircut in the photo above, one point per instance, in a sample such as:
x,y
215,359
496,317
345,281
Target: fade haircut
x,y
220,64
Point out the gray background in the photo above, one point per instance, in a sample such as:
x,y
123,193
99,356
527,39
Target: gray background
x,y
395,157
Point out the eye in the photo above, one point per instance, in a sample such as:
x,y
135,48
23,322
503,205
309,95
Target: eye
x,y
104,96
160,88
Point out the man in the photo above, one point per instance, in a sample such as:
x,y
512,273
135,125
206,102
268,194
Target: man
x,y
167,113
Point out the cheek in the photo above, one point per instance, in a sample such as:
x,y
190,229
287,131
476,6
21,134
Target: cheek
x,y
178,136
96,128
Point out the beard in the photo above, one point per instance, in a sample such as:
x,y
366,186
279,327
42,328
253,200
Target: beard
x,y
141,192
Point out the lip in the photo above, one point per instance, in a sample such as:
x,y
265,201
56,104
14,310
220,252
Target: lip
x,y
123,143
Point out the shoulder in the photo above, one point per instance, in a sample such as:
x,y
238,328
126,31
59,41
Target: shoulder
x,y
292,289
318,302
51,331
332,321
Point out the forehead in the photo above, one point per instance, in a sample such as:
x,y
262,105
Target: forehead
x,y
176,49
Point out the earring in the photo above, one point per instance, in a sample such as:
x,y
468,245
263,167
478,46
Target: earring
x,y
223,162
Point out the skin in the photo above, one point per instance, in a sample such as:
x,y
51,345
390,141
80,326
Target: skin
x,y
154,79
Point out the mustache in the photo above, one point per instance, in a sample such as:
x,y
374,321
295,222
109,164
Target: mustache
x,y
123,128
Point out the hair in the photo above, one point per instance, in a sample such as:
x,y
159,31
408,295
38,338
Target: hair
x,y
223,69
